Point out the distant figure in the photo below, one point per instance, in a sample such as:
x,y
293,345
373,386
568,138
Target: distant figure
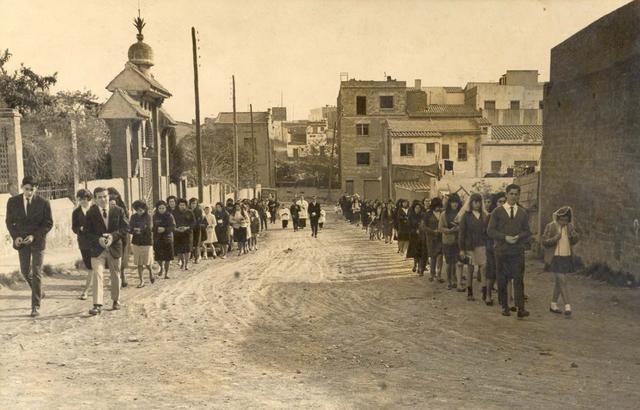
x,y
183,234
284,214
322,219
78,217
272,205
509,228
116,199
210,230
106,226
448,226
314,216
304,212
472,240
295,215
222,229
199,226
28,222
558,240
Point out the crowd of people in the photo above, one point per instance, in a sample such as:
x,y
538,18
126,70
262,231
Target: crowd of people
x,y
473,244
175,232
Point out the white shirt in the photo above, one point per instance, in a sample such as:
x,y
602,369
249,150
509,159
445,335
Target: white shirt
x,y
508,207
563,248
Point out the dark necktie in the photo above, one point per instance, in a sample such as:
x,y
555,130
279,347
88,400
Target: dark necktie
x,y
28,204
512,215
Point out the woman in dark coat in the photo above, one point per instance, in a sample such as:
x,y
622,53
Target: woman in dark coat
x,y
386,219
415,249
200,225
497,200
222,228
448,226
77,226
434,238
404,228
183,235
163,227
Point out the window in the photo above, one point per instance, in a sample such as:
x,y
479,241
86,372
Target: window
x,y
484,130
431,148
361,105
515,105
462,151
541,105
362,130
362,158
445,151
489,105
386,101
525,163
496,167
406,150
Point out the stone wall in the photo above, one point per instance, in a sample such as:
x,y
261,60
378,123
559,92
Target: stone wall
x,y
591,152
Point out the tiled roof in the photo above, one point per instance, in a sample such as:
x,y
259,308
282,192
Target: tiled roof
x,y
431,127
121,106
414,186
517,133
451,109
242,117
150,79
169,120
482,121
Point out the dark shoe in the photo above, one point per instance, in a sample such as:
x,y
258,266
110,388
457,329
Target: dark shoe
x,y
522,313
152,279
484,293
34,312
116,306
459,289
514,309
125,284
96,310
506,312
489,302
440,280
414,269
449,286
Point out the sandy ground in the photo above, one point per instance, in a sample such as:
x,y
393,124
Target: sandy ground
x,y
337,322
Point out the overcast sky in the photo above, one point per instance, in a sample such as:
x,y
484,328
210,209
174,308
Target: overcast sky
x,y
297,48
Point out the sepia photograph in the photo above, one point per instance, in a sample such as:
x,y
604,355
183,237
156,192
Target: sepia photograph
x,y
319,204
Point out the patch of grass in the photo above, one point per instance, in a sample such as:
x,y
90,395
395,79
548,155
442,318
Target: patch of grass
x,y
602,272
9,280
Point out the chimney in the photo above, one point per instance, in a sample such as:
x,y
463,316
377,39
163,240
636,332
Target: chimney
x,y
418,84
388,78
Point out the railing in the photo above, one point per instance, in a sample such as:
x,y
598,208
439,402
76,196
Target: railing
x,y
55,192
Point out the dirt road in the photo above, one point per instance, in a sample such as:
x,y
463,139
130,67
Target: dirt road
x,y
336,322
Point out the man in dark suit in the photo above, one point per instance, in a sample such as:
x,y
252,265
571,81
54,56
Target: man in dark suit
x,y
314,216
509,228
28,221
105,227
78,217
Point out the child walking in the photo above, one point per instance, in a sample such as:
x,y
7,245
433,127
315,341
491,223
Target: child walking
x,y
141,227
558,239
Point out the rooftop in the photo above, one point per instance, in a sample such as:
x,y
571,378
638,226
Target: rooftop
x,y
431,127
242,117
517,133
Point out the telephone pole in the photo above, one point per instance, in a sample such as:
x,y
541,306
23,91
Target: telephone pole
x,y
253,143
198,136
235,141
333,147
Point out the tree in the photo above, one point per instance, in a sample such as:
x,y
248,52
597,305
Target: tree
x,y
23,89
217,159
46,126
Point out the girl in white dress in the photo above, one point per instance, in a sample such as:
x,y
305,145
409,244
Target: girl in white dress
x,y
211,234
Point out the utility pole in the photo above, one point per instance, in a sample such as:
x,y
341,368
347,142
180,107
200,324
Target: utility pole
x,y
198,136
253,144
235,141
74,154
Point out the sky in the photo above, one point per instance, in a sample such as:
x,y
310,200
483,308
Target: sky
x,y
289,49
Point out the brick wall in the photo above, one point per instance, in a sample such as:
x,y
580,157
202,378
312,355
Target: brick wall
x,y
591,153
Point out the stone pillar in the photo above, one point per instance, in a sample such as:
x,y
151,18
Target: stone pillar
x,y
166,161
11,163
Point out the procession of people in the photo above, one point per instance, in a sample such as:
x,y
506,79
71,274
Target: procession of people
x,y
473,244
458,243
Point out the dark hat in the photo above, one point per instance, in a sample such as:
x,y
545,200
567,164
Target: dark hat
x,y
28,180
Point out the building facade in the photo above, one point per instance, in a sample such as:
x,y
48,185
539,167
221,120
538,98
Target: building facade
x,y
362,109
591,152
508,149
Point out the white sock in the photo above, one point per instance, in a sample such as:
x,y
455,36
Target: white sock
x,y
554,306
567,308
